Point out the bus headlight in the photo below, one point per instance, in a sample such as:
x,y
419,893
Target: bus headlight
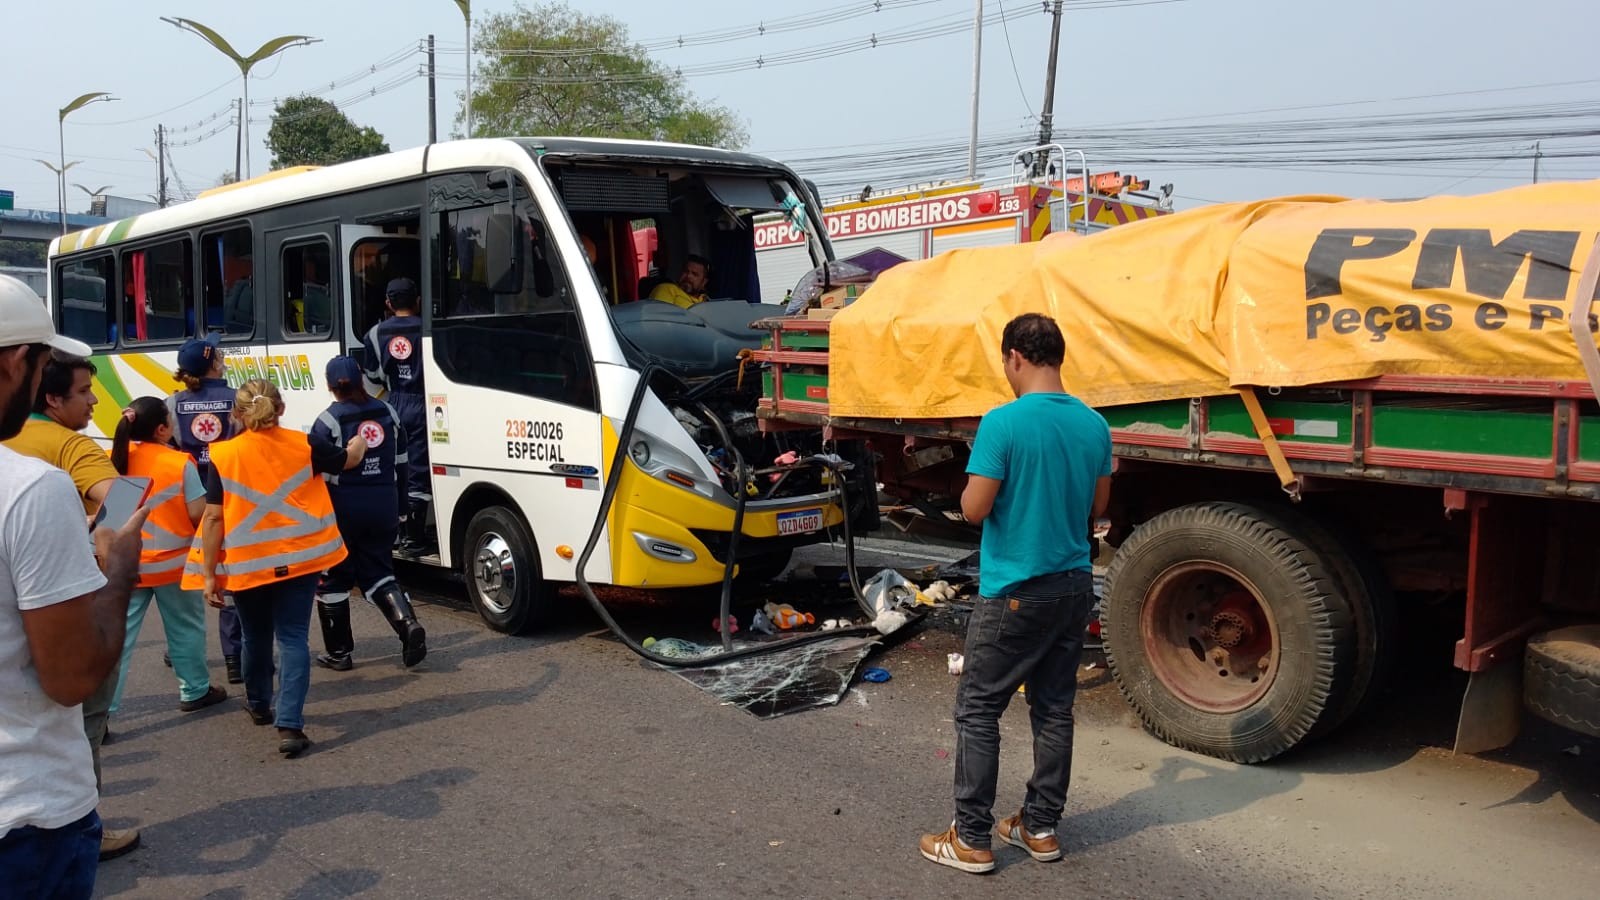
x,y
640,453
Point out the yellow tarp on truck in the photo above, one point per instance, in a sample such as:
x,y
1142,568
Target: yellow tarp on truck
x,y
1278,293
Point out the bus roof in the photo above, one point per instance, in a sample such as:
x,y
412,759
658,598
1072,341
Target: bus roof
x,y
276,189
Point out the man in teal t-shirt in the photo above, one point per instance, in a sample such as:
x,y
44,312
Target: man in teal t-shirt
x,y
1039,474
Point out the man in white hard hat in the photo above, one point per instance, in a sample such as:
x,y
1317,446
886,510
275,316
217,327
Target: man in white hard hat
x,y
61,628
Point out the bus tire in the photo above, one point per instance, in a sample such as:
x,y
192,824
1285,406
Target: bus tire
x,y
1561,677
1226,631
501,567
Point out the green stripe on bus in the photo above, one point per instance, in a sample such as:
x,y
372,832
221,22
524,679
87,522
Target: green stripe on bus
x,y
106,371
120,230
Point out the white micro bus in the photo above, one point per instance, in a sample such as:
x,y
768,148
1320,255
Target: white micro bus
x,y
531,271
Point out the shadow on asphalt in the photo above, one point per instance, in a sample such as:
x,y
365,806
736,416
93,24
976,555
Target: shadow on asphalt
x,y
352,725
241,835
1181,790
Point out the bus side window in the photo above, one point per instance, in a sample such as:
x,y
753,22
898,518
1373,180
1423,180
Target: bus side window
x,y
158,293
228,281
83,292
307,303
530,342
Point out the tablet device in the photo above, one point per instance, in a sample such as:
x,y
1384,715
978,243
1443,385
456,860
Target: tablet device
x,y
122,501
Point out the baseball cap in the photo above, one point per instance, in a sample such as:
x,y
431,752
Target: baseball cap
x,y
24,320
196,354
343,368
403,286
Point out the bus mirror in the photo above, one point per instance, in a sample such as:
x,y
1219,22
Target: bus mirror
x,y
505,251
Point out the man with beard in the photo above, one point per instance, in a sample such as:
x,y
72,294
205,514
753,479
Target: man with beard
x,y
61,629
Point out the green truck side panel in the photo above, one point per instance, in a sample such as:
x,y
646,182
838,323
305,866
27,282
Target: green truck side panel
x,y
1479,431
799,383
1172,414
1588,439
1228,417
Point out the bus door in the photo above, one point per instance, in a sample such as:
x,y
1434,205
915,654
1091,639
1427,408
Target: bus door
x,y
300,283
373,256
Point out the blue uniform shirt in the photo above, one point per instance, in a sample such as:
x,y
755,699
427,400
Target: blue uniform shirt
x,y
376,422
204,417
1047,451
394,354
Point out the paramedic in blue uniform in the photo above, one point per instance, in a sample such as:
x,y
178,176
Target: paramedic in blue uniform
x,y
204,414
394,361
367,500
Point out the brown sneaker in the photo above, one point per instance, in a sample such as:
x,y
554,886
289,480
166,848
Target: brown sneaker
x,y
1044,847
213,695
949,850
114,842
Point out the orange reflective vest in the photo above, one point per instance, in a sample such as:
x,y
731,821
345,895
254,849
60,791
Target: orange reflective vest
x,y
277,518
168,533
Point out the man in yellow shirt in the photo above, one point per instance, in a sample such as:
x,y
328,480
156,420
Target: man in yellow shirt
x,y
690,287
64,407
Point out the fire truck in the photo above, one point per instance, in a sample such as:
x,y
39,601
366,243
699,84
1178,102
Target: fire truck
x,y
918,223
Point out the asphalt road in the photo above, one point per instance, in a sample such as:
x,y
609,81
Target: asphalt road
x,y
562,766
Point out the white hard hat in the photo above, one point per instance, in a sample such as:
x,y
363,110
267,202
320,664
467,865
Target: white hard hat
x,y
24,320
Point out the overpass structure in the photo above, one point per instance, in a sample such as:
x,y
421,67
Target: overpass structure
x,y
42,225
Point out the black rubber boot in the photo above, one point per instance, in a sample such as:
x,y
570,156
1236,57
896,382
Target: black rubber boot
x,y
336,636
391,600
418,536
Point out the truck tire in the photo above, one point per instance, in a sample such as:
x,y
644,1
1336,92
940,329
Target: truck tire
x,y
501,568
1561,677
1363,584
1226,630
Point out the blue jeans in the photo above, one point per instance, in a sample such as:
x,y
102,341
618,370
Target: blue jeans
x,y
51,863
1010,642
280,610
183,618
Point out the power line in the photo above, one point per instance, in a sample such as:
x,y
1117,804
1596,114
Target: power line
x,y
1026,103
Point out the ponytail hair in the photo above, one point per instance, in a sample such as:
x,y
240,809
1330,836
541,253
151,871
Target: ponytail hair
x,y
190,382
257,404
139,422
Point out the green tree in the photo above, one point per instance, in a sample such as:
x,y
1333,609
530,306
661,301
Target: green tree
x,y
310,131
551,70
23,253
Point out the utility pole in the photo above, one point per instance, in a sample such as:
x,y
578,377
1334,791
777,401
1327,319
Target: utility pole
x,y
1537,153
977,72
161,166
1047,114
433,109
238,145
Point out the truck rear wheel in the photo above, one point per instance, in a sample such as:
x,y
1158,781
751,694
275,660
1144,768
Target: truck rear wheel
x,y
1561,677
501,568
1226,630
1361,581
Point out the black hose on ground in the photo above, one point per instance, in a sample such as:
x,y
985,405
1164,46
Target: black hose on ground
x,y
608,496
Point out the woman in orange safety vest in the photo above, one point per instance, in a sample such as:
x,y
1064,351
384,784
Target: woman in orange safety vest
x,y
267,534
141,448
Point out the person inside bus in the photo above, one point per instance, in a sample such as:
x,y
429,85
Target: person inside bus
x,y
690,288
366,503
393,353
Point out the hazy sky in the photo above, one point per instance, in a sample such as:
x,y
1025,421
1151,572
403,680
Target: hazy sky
x,y
1196,60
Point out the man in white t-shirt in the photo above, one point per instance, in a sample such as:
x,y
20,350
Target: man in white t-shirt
x,y
61,630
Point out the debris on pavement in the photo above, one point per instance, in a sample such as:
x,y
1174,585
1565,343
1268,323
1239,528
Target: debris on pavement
x,y
760,624
957,661
876,675
732,625
787,617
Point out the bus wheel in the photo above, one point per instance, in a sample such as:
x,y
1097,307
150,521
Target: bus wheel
x,y
1226,630
502,572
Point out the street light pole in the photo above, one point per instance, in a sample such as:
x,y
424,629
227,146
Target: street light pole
x,y
61,146
466,13
245,63
977,72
